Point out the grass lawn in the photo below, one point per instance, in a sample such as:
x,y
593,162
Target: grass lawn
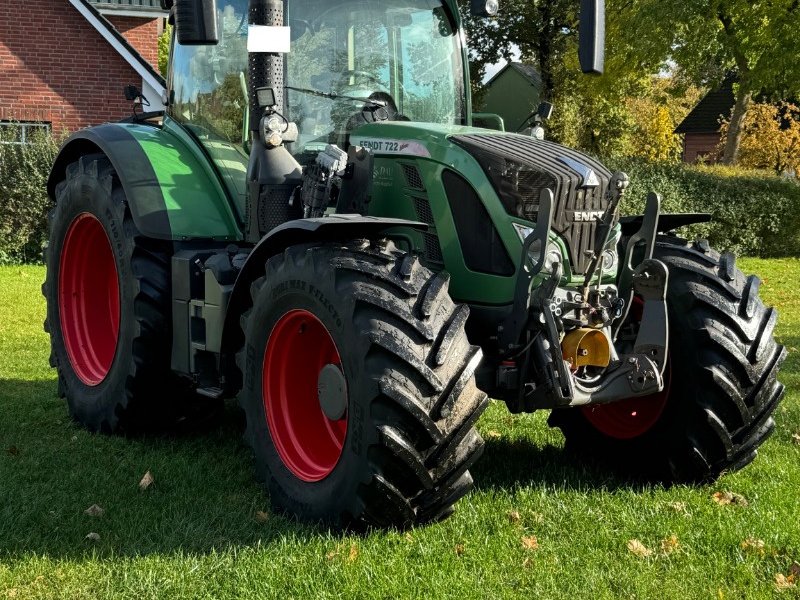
x,y
537,526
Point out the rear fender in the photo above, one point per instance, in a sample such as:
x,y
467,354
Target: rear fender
x,y
170,187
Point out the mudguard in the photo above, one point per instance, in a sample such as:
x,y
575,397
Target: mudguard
x,y
169,183
302,231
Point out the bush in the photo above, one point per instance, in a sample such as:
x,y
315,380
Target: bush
x,y
23,198
756,213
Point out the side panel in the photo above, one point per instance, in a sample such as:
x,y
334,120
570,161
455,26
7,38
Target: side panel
x,y
173,191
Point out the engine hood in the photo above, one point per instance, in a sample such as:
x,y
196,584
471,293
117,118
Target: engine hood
x,y
521,167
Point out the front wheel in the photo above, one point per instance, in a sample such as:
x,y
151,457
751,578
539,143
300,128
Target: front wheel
x,y
358,387
721,385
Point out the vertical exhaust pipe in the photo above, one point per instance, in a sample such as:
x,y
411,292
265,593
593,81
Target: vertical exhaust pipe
x,y
273,174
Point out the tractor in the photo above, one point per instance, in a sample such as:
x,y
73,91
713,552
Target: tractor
x,y
315,226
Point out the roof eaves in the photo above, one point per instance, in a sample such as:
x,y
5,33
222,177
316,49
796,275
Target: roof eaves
x,y
120,44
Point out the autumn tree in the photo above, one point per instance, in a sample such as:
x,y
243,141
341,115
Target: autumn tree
x,y
757,39
770,137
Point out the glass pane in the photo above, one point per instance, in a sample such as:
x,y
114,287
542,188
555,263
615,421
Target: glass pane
x,y
210,87
404,54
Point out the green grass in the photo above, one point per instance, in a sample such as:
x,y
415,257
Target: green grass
x,y
195,534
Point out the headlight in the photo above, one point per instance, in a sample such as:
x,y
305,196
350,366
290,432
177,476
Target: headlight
x,y
551,256
610,260
274,127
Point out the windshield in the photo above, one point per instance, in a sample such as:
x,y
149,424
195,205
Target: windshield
x,y
372,61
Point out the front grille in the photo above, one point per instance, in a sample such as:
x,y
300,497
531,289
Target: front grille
x,y
520,168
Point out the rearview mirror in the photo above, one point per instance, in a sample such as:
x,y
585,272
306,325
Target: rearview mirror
x,y
196,22
592,43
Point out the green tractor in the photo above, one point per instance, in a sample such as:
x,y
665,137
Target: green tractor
x,y
313,224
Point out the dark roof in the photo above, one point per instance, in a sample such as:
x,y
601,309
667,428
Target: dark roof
x,y
529,72
121,39
716,105
148,5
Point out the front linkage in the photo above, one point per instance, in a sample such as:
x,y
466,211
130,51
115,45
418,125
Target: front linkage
x,y
552,333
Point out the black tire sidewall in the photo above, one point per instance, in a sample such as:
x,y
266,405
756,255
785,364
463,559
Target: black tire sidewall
x,y
314,290
85,194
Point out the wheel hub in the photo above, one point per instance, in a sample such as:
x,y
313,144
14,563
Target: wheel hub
x,y
332,392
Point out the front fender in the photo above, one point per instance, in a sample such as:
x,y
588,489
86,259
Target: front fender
x,y
302,231
171,189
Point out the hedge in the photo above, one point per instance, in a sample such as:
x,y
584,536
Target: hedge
x,y
23,198
755,213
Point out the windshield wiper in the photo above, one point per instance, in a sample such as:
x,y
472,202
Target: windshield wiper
x,y
334,96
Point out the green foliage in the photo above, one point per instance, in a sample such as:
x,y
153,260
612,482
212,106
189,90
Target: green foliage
x,y
163,50
756,213
23,198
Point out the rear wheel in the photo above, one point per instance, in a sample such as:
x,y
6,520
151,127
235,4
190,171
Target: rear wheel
x,y
358,387
721,379
108,294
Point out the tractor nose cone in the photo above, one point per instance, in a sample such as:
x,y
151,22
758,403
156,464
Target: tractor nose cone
x,y
332,392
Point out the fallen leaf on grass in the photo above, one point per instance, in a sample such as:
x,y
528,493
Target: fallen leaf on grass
x,y
753,546
493,434
460,549
796,438
639,549
262,516
726,497
670,544
352,555
514,516
146,481
94,511
782,582
794,570
94,537
679,507
530,542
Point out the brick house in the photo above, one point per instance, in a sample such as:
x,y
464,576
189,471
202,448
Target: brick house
x,y
64,63
701,127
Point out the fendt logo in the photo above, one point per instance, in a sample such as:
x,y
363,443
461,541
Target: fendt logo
x,y
587,216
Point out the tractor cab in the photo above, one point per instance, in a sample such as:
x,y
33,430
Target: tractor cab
x,y
350,62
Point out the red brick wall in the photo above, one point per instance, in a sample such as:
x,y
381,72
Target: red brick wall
x,y
700,145
55,67
141,33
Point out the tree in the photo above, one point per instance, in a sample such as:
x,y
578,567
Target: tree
x,y
755,38
163,50
770,137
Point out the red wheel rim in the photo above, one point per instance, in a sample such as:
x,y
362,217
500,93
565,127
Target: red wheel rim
x,y
307,441
628,419
88,299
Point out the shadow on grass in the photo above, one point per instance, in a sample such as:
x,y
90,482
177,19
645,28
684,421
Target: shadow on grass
x,y
510,464
204,498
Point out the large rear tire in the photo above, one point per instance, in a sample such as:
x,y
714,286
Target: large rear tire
x,y
721,377
358,387
108,305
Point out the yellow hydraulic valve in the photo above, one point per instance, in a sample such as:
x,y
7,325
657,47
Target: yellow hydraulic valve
x,y
586,348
